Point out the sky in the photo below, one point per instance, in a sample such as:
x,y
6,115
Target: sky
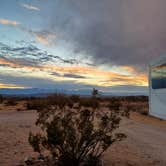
x,y
80,44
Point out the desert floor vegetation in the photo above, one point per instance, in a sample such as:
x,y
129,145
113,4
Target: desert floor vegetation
x,y
76,135
140,145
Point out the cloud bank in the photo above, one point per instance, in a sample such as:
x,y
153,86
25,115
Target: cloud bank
x,y
112,32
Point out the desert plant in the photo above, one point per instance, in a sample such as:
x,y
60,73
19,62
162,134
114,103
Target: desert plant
x,y
1,99
36,104
52,100
114,105
89,102
76,137
95,92
11,102
75,98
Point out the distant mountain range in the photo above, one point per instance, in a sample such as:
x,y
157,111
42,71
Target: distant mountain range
x,y
40,92
45,92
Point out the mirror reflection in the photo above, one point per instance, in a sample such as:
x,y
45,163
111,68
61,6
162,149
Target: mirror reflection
x,y
158,76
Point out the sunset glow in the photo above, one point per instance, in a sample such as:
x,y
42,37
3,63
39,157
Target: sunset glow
x,y
59,44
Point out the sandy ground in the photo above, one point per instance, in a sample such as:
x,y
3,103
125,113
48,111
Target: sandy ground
x,y
144,146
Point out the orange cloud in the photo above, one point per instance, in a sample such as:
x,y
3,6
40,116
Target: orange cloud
x,y
8,63
100,77
45,38
90,75
42,40
129,69
10,86
8,22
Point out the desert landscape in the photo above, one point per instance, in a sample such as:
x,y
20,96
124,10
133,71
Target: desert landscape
x,y
82,83
144,145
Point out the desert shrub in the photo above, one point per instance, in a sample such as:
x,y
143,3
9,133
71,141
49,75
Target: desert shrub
x,y
135,98
114,105
19,109
1,99
11,102
140,107
36,104
127,109
59,100
114,99
75,98
76,137
144,112
89,102
52,100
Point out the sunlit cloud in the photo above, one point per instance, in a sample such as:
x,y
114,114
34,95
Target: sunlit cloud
x,y
10,86
80,74
8,22
45,38
71,42
96,76
37,63
30,7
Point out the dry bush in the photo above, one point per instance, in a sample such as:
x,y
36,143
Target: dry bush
x,y
75,98
1,99
60,100
35,104
135,98
89,102
140,107
11,102
76,137
128,103
55,99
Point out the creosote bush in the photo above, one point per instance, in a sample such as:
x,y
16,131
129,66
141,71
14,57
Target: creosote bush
x,y
76,137
11,102
1,99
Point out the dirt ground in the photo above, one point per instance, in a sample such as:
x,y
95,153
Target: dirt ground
x,y
145,144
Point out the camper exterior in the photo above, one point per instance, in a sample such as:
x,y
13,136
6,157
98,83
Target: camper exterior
x,y
157,88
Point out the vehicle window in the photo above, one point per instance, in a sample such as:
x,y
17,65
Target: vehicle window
x,y
158,76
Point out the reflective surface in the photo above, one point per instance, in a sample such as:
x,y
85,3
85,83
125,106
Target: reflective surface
x,y
158,76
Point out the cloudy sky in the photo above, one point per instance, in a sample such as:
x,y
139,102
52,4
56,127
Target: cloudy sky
x,y
80,44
